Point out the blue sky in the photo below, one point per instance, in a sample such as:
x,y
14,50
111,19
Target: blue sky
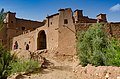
x,y
38,9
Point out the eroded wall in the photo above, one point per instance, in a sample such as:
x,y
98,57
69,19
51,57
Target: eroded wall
x,y
29,38
16,26
51,32
3,35
115,30
112,29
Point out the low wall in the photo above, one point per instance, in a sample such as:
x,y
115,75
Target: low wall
x,y
100,72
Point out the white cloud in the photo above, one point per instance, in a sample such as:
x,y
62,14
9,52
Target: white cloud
x,y
115,8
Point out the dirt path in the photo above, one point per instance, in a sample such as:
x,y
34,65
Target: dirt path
x,y
58,71
67,67
61,67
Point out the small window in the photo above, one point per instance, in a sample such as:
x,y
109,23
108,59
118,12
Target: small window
x,y
27,47
25,43
16,45
34,28
16,31
17,27
11,21
65,21
23,28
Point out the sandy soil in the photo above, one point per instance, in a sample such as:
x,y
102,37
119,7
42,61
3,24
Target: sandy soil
x,y
67,67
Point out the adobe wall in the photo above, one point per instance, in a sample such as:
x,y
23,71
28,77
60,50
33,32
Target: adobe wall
x,y
60,36
29,38
60,30
100,72
28,24
25,39
79,18
112,29
52,25
85,19
3,35
79,27
51,33
67,37
15,26
115,30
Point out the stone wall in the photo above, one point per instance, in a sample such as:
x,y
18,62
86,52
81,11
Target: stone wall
x,y
100,72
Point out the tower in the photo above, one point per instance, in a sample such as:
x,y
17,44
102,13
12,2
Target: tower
x,y
101,18
66,41
78,14
10,27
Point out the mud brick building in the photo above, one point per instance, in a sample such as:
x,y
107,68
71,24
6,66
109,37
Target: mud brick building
x,y
56,32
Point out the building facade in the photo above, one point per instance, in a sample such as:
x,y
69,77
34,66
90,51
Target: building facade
x,y
56,32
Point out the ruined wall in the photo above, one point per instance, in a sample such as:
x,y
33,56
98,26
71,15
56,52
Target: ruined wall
x,y
29,38
112,29
15,26
79,27
79,18
85,19
22,25
115,30
51,32
100,72
23,40
3,35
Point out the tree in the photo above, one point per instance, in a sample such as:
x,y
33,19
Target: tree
x,y
114,49
92,46
2,17
5,56
5,60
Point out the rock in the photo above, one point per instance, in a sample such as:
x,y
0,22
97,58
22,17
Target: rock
x,y
107,75
118,77
16,76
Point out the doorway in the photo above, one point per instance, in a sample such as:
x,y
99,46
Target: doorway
x,y
41,40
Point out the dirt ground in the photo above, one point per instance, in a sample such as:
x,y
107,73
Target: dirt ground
x,y
67,67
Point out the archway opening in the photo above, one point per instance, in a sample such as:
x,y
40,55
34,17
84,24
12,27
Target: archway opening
x,y
41,40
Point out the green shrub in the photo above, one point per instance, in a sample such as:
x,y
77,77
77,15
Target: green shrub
x,y
115,49
92,46
24,66
5,56
5,60
9,64
2,17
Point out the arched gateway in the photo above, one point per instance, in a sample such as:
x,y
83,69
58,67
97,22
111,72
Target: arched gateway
x,y
41,40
